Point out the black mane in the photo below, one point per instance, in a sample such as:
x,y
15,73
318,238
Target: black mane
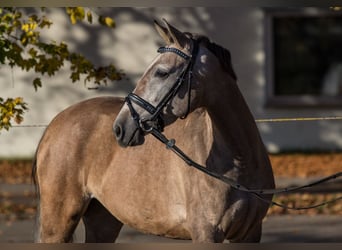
x,y
222,54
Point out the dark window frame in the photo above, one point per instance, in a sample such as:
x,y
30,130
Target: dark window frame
x,y
285,101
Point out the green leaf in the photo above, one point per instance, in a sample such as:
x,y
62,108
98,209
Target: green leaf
x,y
45,23
37,83
75,76
89,17
32,52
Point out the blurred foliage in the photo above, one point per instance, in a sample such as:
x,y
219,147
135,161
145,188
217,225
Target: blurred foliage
x,y
22,46
11,109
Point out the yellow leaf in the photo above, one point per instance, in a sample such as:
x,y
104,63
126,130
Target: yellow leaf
x,y
79,11
5,120
30,33
33,26
25,27
109,22
73,19
24,40
18,100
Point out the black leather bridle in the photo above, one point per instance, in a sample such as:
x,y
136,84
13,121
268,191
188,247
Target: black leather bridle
x,y
155,120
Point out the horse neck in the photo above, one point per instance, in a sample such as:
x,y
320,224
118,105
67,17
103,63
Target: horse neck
x,y
232,122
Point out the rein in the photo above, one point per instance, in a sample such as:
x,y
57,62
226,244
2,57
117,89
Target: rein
x,y
171,144
154,124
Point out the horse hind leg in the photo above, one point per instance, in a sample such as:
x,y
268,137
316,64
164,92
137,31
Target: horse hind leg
x,y
100,224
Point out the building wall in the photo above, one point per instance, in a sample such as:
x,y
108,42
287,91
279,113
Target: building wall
x,y
132,46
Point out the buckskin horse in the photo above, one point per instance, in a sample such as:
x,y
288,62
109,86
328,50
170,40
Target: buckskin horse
x,y
189,93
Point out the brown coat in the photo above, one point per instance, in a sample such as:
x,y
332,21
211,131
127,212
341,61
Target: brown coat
x,y
82,172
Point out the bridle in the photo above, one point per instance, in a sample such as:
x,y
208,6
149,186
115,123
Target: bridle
x,y
154,124
155,120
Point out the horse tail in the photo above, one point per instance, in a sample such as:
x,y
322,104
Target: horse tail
x,y
34,171
34,176
37,194
35,182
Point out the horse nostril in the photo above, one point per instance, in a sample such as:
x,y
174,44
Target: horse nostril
x,y
118,131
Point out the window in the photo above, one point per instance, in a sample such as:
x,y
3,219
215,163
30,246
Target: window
x,y
304,57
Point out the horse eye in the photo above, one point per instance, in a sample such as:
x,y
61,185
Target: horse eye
x,y
161,73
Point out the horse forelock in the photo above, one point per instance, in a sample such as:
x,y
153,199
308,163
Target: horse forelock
x,y
222,54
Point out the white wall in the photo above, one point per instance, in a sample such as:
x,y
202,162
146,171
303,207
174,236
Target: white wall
x,y
132,46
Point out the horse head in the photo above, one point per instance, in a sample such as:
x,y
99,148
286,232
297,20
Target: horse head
x,y
171,87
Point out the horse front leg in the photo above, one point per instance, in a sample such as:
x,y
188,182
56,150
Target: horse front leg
x,y
205,226
59,213
207,234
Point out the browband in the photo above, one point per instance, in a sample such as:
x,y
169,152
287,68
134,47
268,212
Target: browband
x,y
174,50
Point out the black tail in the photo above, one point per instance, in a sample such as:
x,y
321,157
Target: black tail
x,y
36,185
34,176
34,171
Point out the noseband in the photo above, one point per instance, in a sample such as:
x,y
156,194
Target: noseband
x,y
155,120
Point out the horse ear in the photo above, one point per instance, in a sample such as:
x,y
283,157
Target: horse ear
x,y
171,35
163,32
178,37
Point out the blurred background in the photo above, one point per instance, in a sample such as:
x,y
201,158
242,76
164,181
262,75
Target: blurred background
x,y
288,62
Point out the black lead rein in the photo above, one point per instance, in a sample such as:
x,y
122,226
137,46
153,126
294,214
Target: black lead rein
x,y
171,144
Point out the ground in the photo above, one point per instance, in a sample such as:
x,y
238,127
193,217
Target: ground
x,y
286,167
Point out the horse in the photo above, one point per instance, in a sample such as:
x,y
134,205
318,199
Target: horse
x,y
99,162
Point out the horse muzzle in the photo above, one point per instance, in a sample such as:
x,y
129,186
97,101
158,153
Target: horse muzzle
x,y
127,133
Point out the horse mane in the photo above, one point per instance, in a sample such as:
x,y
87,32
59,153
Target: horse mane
x,y
222,54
